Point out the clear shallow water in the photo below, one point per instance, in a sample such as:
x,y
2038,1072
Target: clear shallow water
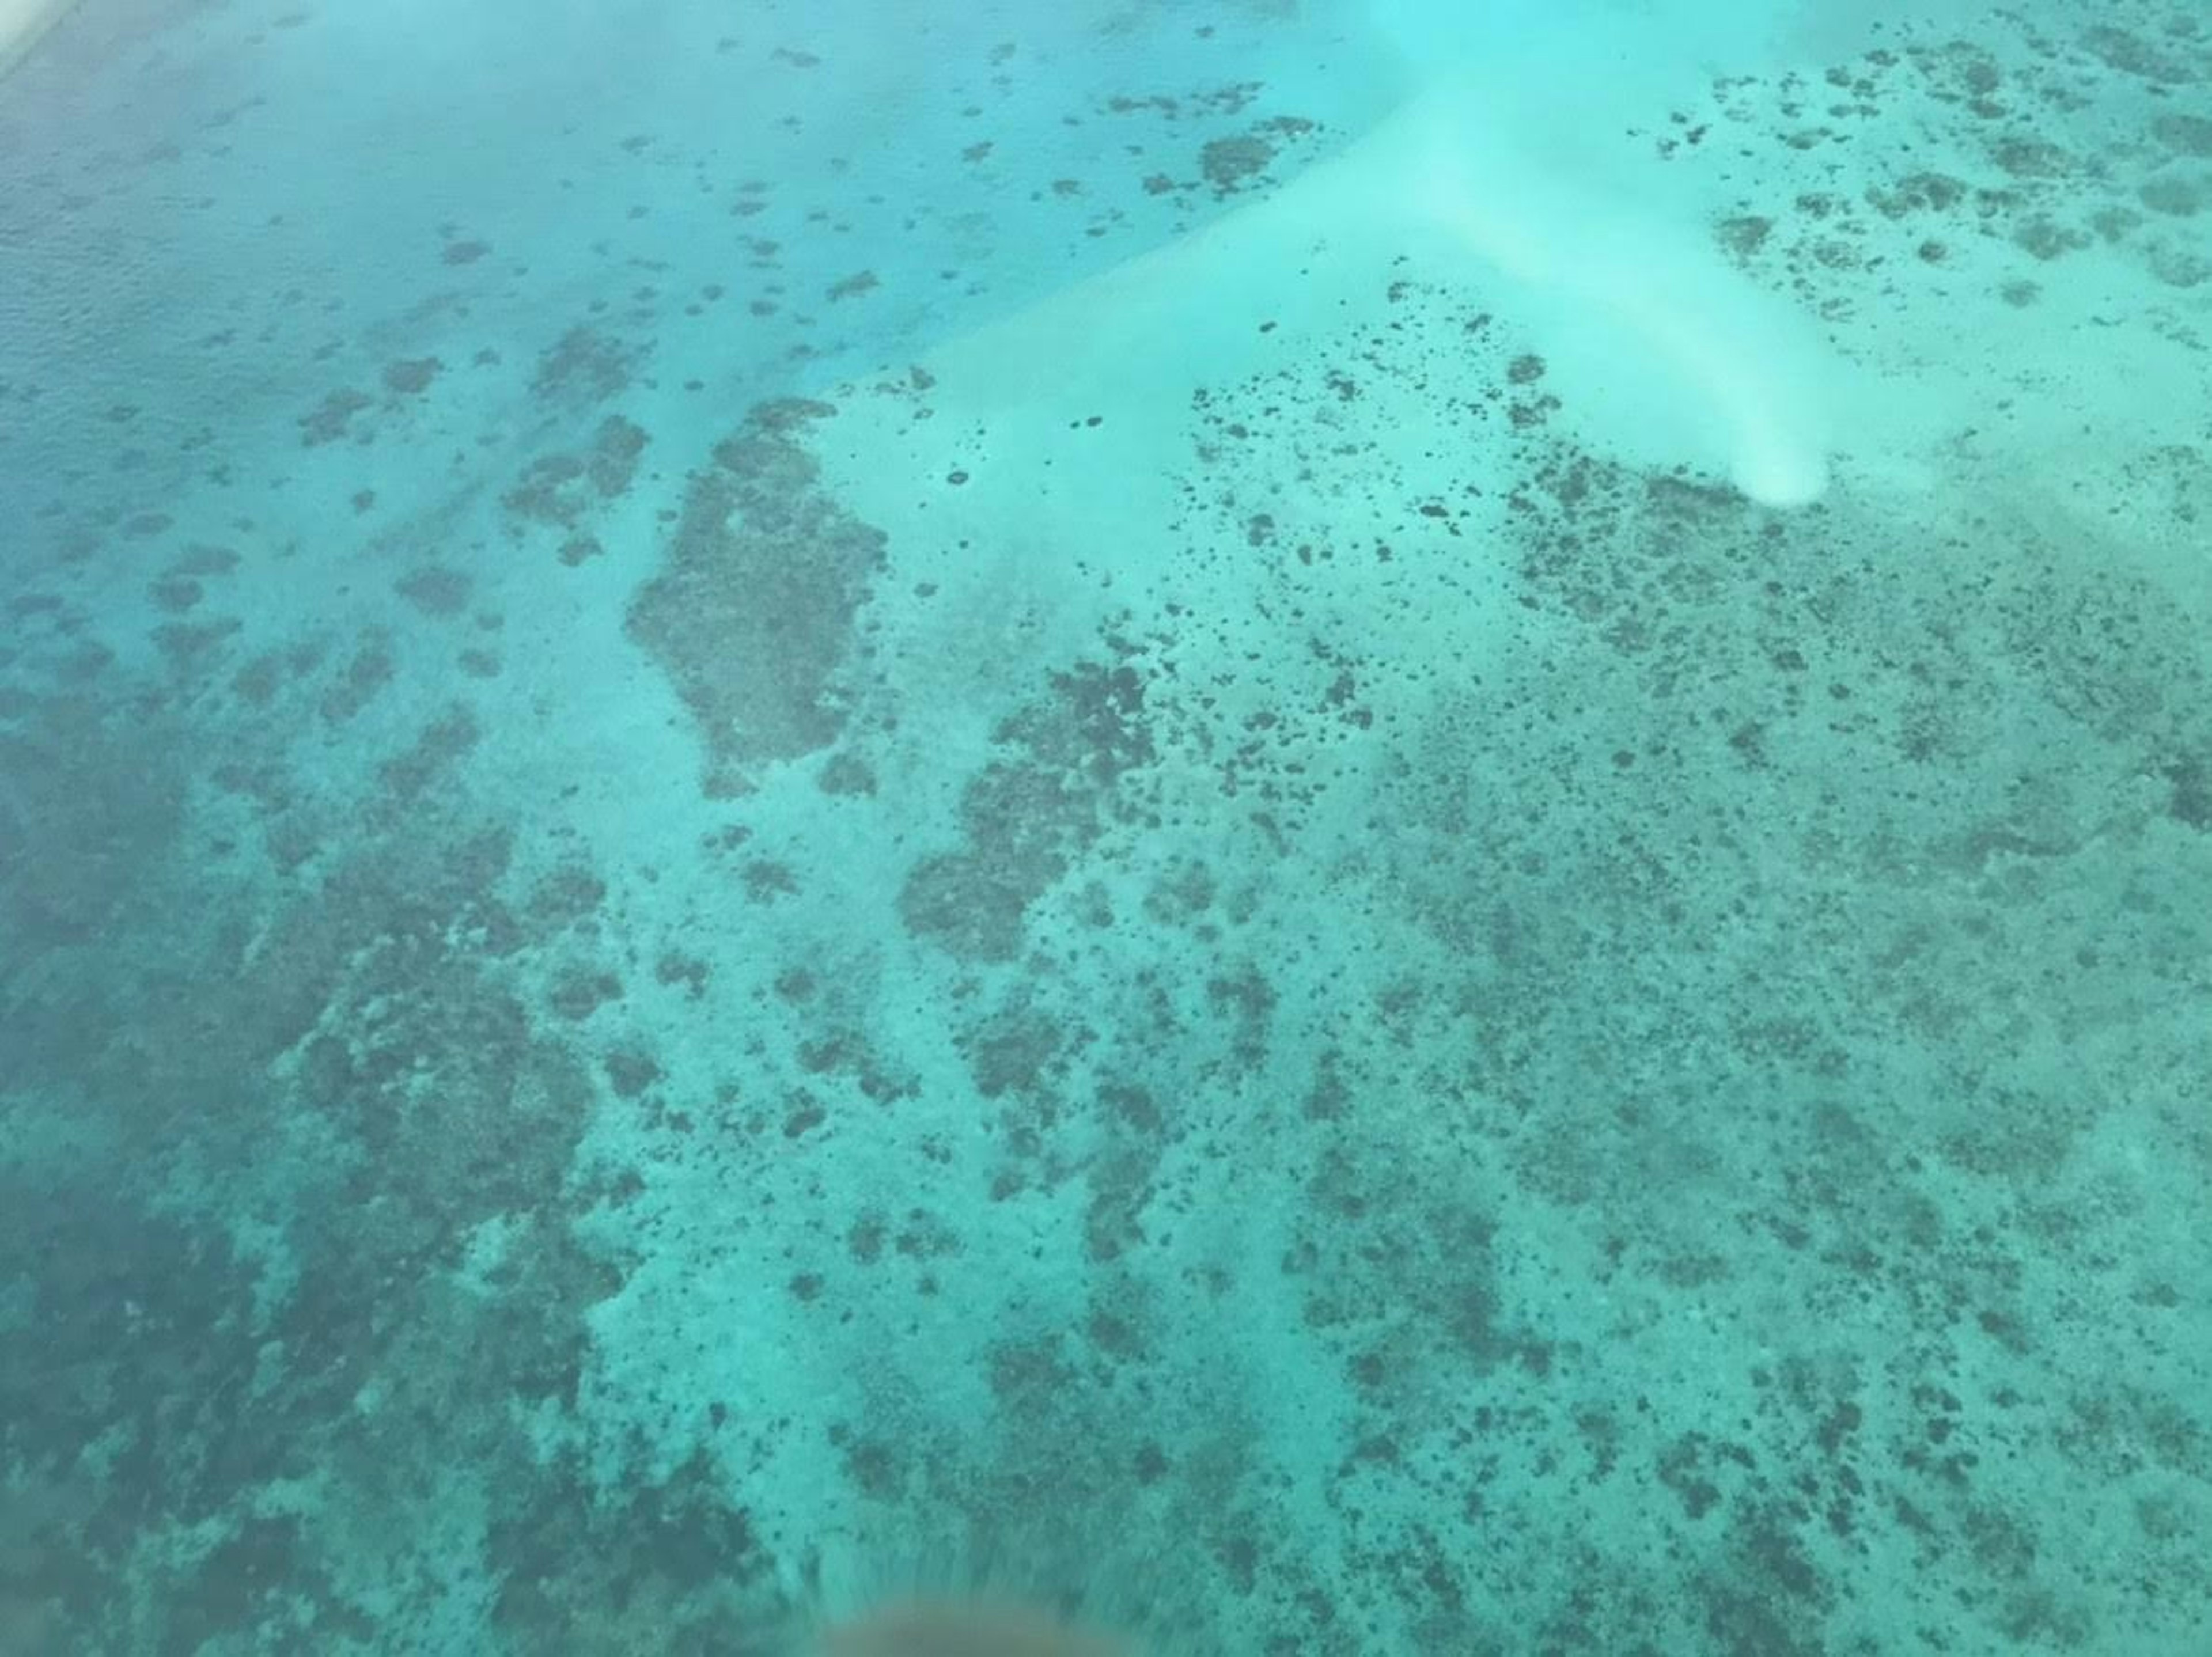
x,y
1351,835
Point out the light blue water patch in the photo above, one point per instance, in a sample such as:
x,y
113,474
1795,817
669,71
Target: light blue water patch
x,y
840,185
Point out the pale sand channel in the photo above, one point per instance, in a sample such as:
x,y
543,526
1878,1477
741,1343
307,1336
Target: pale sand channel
x,y
22,23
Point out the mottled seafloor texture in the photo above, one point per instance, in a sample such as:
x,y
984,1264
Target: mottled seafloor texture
x,y
805,800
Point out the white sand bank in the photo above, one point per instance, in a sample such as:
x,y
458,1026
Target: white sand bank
x,y
22,23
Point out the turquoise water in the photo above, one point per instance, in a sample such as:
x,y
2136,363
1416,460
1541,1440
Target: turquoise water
x,y
1329,828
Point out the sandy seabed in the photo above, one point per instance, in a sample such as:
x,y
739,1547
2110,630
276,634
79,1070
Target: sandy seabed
x,y
22,23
